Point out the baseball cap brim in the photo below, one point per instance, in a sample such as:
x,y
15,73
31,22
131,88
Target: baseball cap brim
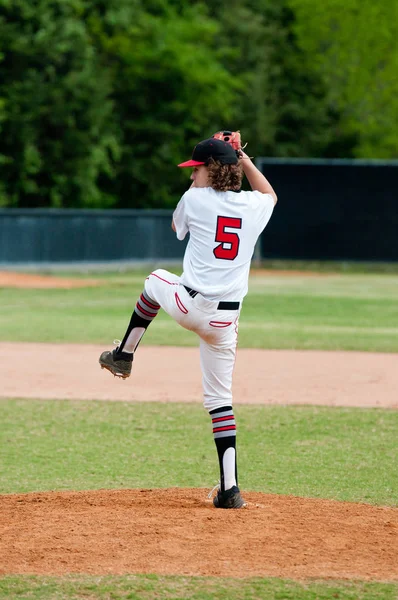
x,y
191,163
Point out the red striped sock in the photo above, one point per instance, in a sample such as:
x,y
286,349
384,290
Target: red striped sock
x,y
224,432
145,311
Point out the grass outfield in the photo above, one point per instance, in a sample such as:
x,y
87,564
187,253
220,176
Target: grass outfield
x,y
150,587
340,311
319,452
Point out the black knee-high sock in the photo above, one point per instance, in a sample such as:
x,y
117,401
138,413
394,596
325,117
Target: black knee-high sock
x,y
224,431
145,311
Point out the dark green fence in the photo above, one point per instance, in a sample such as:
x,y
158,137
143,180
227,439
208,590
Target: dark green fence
x,y
332,209
45,235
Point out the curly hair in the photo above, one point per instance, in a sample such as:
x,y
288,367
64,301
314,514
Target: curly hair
x,y
224,177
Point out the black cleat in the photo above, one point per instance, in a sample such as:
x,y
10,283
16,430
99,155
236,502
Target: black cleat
x,y
118,363
229,499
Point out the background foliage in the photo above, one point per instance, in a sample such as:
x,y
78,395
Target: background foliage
x,y
100,100
353,46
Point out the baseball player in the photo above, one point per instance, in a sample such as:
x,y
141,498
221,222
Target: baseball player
x,y
224,223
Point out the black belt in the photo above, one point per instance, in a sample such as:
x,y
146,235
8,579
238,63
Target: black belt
x,y
221,305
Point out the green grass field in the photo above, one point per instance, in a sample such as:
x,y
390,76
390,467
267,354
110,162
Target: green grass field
x,y
152,587
344,454
337,311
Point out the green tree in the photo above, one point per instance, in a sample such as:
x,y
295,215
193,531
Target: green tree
x,y
352,45
170,88
55,138
282,109
100,100
3,158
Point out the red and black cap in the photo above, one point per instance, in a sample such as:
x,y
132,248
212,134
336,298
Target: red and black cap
x,y
212,148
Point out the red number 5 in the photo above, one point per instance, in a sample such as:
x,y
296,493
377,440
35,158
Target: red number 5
x,y
228,247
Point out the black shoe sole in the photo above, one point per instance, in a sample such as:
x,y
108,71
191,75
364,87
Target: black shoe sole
x,y
114,372
231,500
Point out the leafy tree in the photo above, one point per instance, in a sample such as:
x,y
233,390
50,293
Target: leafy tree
x,y
282,109
3,158
352,45
100,100
169,89
55,138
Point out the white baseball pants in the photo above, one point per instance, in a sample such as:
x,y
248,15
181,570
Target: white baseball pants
x,y
217,329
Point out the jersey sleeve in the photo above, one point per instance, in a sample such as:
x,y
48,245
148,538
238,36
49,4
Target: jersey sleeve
x,y
265,206
180,219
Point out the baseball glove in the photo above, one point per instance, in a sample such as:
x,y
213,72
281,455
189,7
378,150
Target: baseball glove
x,y
231,137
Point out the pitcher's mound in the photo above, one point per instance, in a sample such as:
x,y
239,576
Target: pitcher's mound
x,y
178,531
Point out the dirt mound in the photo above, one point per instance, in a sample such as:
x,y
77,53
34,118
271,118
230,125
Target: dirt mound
x,y
30,280
178,531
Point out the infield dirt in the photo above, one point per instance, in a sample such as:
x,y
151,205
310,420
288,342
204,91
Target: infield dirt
x,y
178,531
170,374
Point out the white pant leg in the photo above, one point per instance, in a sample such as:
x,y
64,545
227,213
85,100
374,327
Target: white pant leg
x,y
165,288
160,286
217,364
217,329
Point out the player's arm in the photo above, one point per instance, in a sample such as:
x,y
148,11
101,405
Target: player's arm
x,y
179,222
172,220
256,179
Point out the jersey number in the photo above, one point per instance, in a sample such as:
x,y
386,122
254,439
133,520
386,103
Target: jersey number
x,y
228,247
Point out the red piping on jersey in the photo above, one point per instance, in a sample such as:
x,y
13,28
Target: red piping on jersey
x,y
220,323
180,304
236,323
165,280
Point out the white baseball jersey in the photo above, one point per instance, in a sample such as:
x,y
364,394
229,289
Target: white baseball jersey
x,y
224,228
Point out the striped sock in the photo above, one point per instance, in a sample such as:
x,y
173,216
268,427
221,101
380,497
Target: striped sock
x,y
145,311
146,308
224,432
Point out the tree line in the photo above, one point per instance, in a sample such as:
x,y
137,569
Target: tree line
x,y
101,99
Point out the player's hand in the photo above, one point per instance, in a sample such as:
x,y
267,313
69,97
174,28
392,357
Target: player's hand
x,y
242,155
